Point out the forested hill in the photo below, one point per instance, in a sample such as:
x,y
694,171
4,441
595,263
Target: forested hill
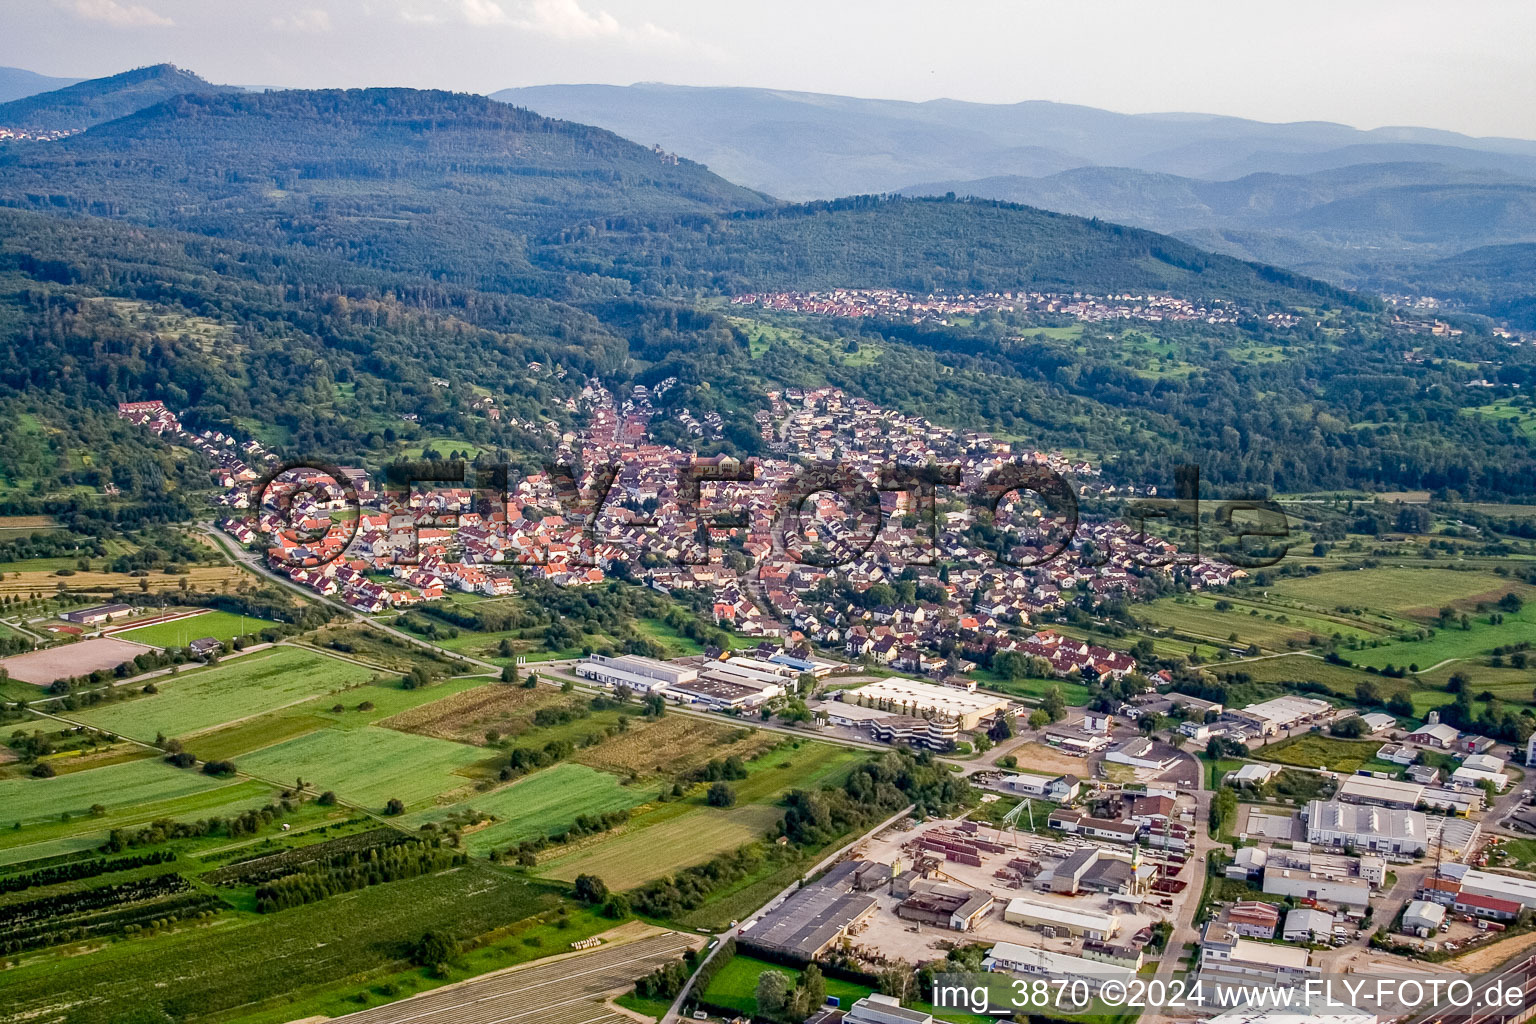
x,y
923,245
442,183
79,106
474,191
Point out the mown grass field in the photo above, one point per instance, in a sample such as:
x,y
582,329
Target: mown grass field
x,y
368,766
249,963
245,686
49,838
1395,590
643,850
541,804
30,801
180,632
317,713
1274,628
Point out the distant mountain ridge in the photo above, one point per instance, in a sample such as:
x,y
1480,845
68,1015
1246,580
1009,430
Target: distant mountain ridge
x,y
16,83
811,146
85,104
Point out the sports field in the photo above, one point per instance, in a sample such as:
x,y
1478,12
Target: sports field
x,y
541,804
180,632
369,765
248,685
66,660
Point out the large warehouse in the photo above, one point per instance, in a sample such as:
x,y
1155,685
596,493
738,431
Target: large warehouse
x,y
1379,829
966,708
808,923
636,672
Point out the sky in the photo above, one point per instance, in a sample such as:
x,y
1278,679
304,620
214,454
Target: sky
x,y
1465,67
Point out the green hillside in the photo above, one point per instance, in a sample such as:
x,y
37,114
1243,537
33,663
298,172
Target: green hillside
x,y
79,106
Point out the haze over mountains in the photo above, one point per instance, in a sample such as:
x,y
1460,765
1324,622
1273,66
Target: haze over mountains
x,y
1360,208
1393,209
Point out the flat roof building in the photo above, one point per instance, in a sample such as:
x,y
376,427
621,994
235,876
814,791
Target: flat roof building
x,y
634,671
1279,714
1378,829
1363,789
1012,958
968,709
1086,923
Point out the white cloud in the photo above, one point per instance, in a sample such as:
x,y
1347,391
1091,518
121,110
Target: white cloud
x,y
122,15
484,12
564,19
307,21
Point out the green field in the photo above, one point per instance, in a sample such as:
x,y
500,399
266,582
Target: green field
x,y
1270,626
1318,751
541,804
246,686
250,962
734,987
180,632
51,836
1452,642
1395,590
368,766
30,801
650,847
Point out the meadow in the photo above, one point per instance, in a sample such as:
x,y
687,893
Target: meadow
x,y
53,837
650,847
1314,750
30,801
222,626
1452,642
544,803
1404,591
368,766
248,685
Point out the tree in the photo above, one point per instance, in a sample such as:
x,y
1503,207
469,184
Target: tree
x,y
772,994
811,993
509,673
432,950
327,799
720,795
1039,718
394,807
591,890
1001,729
44,770
1054,704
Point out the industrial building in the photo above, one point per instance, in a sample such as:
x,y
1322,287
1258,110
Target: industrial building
x,y
968,709
1307,925
639,674
1380,829
1364,789
1092,869
947,906
1309,885
1226,957
97,615
808,923
1423,918
1276,716
719,693
1029,961
1063,920
876,1008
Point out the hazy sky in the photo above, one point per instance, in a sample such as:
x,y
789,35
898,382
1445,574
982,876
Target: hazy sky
x,y
1464,66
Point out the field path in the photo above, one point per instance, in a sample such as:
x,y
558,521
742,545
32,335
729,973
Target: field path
x,y
564,989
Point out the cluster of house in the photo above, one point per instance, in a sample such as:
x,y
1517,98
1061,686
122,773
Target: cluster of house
x,y
629,503
231,457
890,304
